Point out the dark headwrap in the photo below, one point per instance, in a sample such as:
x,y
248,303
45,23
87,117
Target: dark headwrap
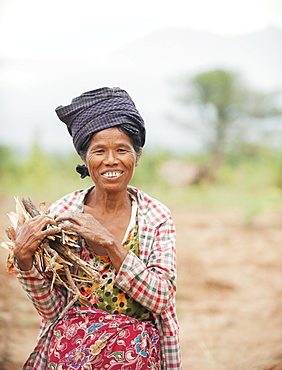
x,y
100,109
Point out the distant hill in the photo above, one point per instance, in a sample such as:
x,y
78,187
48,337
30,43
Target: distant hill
x,y
147,68
173,52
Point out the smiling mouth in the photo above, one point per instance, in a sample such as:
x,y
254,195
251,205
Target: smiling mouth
x,y
112,174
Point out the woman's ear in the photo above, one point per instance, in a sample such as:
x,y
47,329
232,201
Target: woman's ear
x,y
138,156
82,170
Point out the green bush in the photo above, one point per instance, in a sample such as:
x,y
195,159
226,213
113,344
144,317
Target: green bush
x,y
250,180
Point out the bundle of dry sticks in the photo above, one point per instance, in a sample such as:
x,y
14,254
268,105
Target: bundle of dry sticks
x,y
54,256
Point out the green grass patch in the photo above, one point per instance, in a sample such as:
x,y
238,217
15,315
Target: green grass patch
x,y
252,183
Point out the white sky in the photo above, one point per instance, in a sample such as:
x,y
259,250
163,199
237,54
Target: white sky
x,y
58,32
58,27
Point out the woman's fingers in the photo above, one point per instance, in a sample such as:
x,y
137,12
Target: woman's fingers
x,y
41,221
83,224
77,222
50,231
75,217
87,227
29,237
70,226
31,233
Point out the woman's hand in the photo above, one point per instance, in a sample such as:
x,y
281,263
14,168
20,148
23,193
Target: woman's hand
x,y
94,233
88,227
28,238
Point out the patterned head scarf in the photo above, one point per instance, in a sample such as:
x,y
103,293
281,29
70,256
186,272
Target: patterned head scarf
x,y
100,109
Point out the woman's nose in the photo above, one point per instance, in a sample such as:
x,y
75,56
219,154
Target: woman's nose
x,y
111,158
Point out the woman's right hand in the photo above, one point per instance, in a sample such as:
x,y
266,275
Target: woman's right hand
x,y
28,238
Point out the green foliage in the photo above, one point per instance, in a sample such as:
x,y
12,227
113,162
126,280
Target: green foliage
x,y
250,179
219,88
38,174
36,166
147,171
222,101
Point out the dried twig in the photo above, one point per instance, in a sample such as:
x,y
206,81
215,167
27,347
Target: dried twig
x,y
30,207
54,255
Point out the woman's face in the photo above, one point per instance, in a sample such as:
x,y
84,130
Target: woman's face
x,y
111,159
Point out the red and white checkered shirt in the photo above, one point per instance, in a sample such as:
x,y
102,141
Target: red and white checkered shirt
x,y
150,279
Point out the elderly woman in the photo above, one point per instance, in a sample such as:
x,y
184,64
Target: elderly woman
x,y
128,320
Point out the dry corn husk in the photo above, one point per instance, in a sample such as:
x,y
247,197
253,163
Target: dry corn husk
x,y
53,256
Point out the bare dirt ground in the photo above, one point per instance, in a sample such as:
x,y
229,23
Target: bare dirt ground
x,y
229,294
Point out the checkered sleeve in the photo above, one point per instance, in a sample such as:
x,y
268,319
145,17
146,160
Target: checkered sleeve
x,y
152,284
49,303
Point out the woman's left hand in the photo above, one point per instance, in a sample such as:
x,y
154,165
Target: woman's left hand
x,y
88,227
94,233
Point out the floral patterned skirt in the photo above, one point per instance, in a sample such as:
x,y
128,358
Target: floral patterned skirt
x,y
90,339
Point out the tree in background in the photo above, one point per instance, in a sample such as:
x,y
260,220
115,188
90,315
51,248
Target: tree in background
x,y
220,102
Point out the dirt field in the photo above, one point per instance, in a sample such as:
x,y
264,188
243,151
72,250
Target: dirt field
x,y
229,294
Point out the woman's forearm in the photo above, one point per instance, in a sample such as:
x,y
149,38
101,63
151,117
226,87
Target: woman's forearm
x,y
49,303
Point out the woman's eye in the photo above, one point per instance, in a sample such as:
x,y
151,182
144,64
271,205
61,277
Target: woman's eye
x,y
121,150
99,151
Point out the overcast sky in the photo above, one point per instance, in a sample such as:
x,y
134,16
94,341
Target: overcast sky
x,y
41,42
35,28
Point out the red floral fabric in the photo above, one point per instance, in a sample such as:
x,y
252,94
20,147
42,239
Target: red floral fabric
x,y
94,339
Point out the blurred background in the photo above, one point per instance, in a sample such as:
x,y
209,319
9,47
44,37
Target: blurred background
x,y
206,77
